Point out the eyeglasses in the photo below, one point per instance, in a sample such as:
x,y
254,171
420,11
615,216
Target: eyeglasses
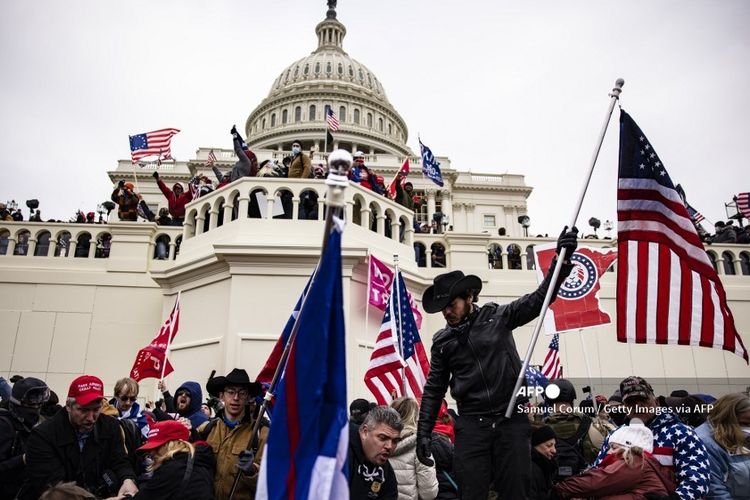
x,y
242,393
128,398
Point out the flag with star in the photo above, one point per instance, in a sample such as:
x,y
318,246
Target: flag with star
x,y
156,143
668,292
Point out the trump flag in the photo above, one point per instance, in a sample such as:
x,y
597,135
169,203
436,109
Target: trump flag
x,y
577,303
379,288
149,363
305,455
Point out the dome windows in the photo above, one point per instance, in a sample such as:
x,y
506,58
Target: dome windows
x,y
311,114
296,72
317,68
390,129
297,114
273,119
284,117
341,69
356,117
369,120
380,124
351,71
361,75
263,126
329,69
342,114
306,71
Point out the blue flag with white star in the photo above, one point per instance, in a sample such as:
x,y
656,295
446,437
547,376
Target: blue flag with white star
x,y
430,166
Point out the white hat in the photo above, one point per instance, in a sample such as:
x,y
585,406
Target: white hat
x,y
634,434
359,154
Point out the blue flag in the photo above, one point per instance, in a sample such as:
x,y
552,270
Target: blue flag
x,y
430,166
305,456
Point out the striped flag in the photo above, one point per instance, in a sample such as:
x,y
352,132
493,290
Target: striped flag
x,y
333,122
389,371
743,204
694,214
551,367
211,158
667,290
153,143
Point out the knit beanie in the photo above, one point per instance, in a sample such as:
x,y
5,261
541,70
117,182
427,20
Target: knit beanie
x,y
542,434
634,434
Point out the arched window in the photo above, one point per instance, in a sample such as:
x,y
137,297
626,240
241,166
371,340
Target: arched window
x,y
495,256
4,238
273,119
390,129
745,263
369,120
380,124
22,243
420,255
356,116
103,245
284,117
311,114
728,259
438,255
263,125
63,244
712,258
514,257
530,257
42,244
342,114
341,69
83,245
297,114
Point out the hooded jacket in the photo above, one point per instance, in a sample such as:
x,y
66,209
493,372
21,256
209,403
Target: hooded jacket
x,y
53,455
730,474
542,472
168,481
676,446
243,167
176,203
615,480
127,204
194,412
479,359
368,481
415,480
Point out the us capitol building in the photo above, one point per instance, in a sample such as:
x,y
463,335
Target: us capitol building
x,y
72,306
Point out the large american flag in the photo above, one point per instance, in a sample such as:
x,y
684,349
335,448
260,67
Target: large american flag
x,y
153,143
743,204
389,372
551,367
211,158
333,122
667,290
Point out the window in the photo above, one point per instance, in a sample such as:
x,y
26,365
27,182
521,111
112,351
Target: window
x,y
489,220
356,116
263,126
380,124
390,129
369,120
342,114
273,119
284,117
311,114
297,114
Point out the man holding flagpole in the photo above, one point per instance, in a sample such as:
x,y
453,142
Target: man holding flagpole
x,y
475,355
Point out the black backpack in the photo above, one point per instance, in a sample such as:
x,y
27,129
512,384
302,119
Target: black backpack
x,y
569,456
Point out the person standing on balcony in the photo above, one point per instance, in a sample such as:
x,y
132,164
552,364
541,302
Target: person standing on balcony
x,y
127,201
247,162
476,356
301,166
362,175
177,198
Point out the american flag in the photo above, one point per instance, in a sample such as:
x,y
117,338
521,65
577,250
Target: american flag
x,y
694,214
551,367
389,371
333,122
743,204
153,143
667,290
211,158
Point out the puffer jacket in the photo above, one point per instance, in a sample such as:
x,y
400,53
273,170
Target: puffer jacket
x,y
730,474
171,482
615,480
479,359
415,480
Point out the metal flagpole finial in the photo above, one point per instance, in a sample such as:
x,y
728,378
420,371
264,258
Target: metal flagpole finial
x,y
339,163
618,88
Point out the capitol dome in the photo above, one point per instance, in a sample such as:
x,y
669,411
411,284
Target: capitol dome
x,y
296,106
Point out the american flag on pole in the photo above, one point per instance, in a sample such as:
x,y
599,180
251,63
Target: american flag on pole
x,y
389,372
211,158
743,204
551,367
333,122
153,143
667,290
694,214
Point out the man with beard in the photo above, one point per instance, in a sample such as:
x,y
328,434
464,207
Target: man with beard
x,y
370,446
187,403
230,433
79,444
25,402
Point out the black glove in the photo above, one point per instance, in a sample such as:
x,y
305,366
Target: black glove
x,y
121,184
424,452
156,175
234,130
568,240
245,463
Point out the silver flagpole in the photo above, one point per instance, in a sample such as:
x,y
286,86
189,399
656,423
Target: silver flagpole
x,y
400,329
614,97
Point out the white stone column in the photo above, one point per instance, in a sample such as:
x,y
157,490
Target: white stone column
x,y
364,216
227,214
409,235
172,249
52,248
321,207
428,257
92,248
395,229
457,208
446,206
244,204
188,229
214,221
32,247
470,218
199,224
270,199
381,224
430,205
72,245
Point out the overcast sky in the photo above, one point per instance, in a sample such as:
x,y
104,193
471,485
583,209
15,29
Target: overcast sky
x,y
496,86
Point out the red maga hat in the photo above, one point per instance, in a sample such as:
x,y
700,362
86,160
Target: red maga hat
x,y
163,432
86,389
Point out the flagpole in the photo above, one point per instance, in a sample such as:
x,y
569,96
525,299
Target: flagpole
x,y
614,97
400,330
339,163
586,358
367,301
169,338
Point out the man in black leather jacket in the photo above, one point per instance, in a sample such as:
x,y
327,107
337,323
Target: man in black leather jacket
x,y
476,356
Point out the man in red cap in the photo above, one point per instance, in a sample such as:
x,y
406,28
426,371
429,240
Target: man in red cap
x,y
79,444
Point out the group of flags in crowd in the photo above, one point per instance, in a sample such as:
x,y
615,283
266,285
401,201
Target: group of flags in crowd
x,y
667,293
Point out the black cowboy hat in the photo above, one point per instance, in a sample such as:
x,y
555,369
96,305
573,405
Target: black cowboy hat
x,y
447,287
238,377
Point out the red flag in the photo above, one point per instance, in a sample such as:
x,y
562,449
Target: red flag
x,y
392,186
379,287
150,360
577,304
